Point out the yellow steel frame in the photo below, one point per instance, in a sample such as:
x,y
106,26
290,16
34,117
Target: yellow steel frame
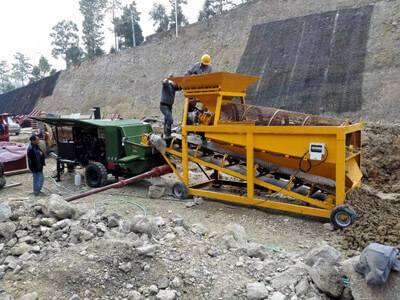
x,y
250,133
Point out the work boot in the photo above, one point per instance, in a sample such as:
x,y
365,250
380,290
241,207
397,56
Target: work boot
x,y
167,132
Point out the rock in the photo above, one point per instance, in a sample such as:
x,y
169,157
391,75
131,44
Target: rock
x,y
197,200
291,276
75,297
56,207
1,247
329,227
256,250
5,212
36,249
85,235
125,226
27,239
62,224
177,220
159,221
328,253
199,229
147,250
176,282
126,267
7,230
156,192
112,222
278,296
20,249
92,228
361,290
302,287
30,296
11,243
143,224
153,289
190,204
158,181
21,233
48,222
327,278
134,295
163,283
166,295
239,234
102,227
256,290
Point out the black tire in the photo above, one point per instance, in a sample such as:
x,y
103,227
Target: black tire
x,y
2,182
1,169
343,216
179,190
96,174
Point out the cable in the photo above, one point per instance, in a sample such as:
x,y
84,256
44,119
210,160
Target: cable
x,y
121,200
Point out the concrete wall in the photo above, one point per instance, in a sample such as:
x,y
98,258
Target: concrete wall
x,y
129,81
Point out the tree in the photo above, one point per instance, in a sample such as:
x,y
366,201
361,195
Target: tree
x,y
65,35
5,76
73,56
114,8
159,15
52,72
35,74
22,68
215,7
44,66
124,27
182,20
93,16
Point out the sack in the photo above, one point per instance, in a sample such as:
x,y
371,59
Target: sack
x,y
376,262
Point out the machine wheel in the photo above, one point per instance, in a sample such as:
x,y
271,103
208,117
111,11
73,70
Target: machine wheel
x,y
96,174
2,182
343,216
180,190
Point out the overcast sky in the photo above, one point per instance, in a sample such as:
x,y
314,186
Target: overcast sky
x,y
25,25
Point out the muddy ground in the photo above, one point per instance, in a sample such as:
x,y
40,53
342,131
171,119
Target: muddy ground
x,y
377,204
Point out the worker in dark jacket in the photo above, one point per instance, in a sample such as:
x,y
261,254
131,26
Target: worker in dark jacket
x,y
201,67
36,162
167,101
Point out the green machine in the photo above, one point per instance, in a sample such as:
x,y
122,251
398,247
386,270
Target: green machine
x,y
103,147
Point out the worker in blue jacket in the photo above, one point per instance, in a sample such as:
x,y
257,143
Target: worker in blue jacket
x,y
36,161
167,101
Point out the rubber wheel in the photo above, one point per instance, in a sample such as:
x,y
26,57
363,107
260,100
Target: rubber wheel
x,y
96,174
343,216
2,182
1,169
179,190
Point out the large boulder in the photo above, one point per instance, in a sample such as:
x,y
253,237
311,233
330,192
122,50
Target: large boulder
x,y
256,250
239,234
256,290
328,253
361,290
144,224
57,207
327,278
291,276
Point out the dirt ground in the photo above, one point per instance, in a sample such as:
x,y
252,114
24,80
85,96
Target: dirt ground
x,y
377,205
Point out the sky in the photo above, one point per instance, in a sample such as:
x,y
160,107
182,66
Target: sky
x,y
25,25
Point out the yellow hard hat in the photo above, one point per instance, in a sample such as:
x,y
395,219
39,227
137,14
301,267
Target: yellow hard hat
x,y
206,59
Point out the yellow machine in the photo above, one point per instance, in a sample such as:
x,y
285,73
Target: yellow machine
x,y
309,158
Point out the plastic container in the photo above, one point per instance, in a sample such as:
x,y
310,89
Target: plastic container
x,y
78,179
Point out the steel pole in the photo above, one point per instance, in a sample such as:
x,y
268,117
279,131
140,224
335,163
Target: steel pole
x,y
155,172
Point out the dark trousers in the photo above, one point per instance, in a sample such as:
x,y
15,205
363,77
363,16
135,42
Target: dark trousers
x,y
168,120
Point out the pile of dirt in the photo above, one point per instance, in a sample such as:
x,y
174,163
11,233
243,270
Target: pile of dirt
x,y
378,221
381,156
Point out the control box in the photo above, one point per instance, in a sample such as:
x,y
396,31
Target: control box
x,y
316,150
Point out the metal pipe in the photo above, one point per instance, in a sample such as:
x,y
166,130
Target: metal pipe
x,y
155,172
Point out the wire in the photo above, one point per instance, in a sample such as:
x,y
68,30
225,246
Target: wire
x,y
121,200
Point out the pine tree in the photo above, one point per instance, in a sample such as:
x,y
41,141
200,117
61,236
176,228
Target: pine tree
x,y
65,35
5,77
182,20
93,14
159,15
21,68
215,7
124,27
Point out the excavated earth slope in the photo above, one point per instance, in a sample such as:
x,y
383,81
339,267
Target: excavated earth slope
x,y
129,82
